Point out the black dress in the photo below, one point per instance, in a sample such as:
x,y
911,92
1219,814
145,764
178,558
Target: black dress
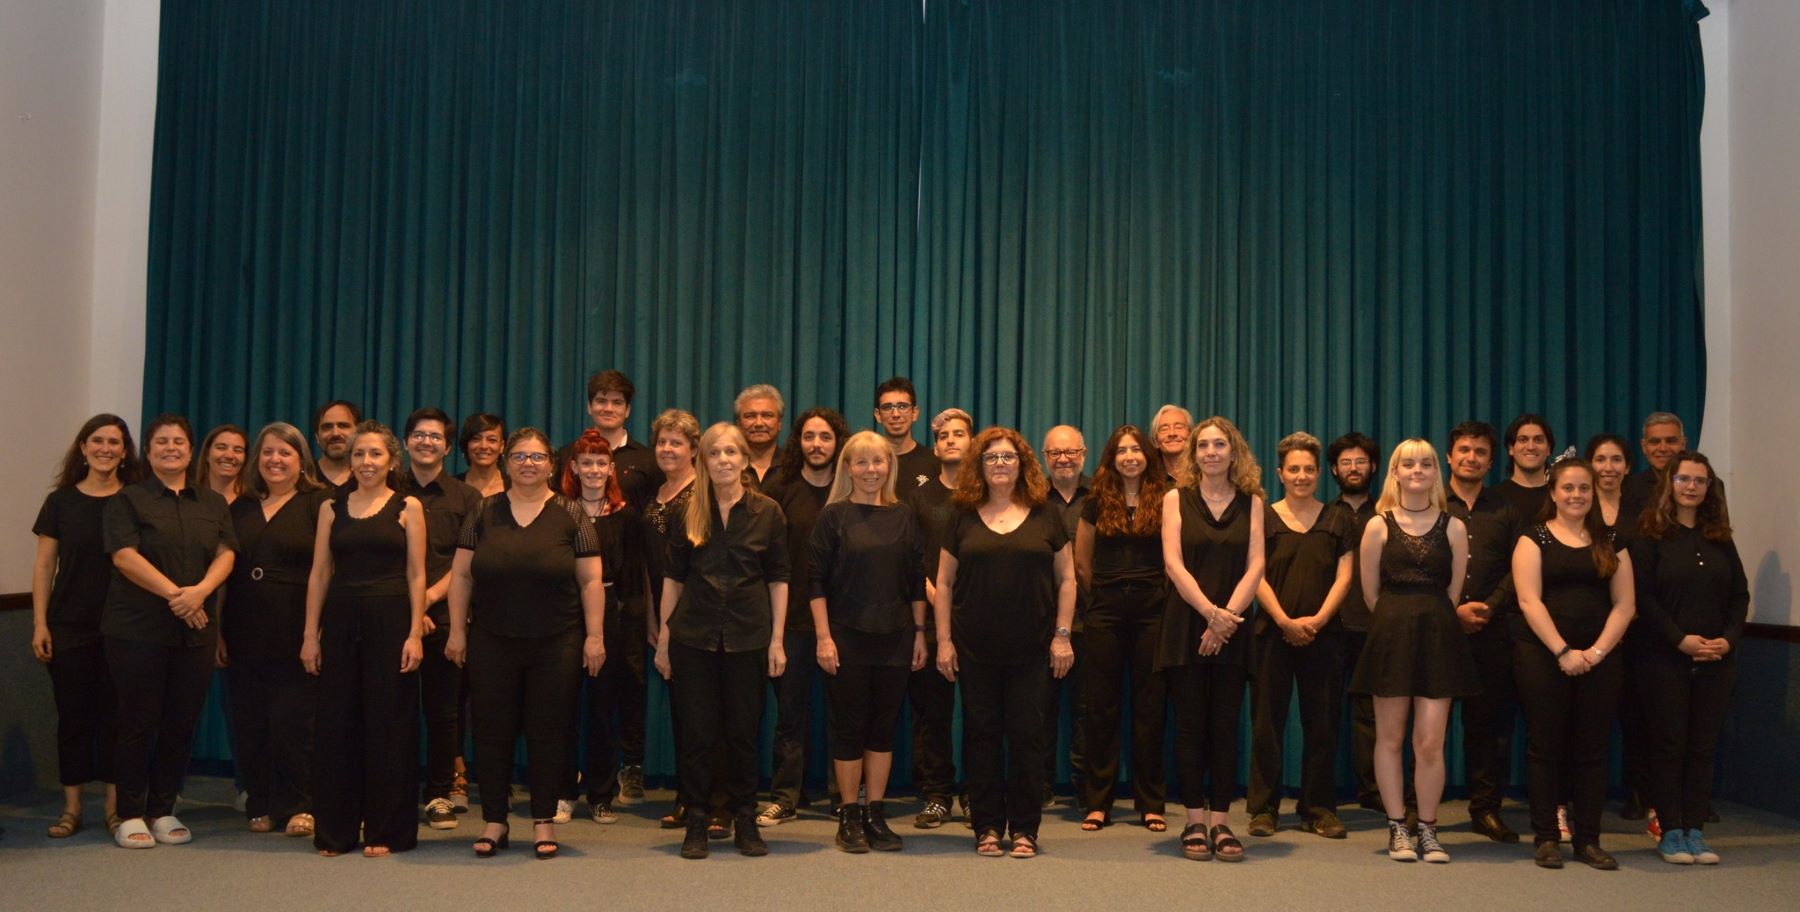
x,y
79,679
1416,647
368,708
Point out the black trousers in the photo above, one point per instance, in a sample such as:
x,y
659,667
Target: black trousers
x,y
529,686
719,704
933,707
274,703
1685,704
366,779
1209,700
1488,719
443,688
864,701
160,690
1115,649
1318,671
82,686
1004,743
793,718
1635,735
1568,728
1362,728
1068,685
615,704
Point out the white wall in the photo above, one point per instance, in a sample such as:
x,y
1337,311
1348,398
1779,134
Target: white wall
x,y
1764,219
74,178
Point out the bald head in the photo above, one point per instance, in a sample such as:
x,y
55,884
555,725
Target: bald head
x,y
1064,454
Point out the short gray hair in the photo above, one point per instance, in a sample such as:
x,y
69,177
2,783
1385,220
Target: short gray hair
x,y
1665,418
757,391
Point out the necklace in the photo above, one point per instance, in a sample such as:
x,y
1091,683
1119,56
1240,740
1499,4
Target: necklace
x,y
1429,506
587,499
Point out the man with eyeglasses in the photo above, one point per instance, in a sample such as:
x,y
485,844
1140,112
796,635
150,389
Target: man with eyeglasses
x,y
932,698
758,412
1352,462
447,502
896,409
1065,454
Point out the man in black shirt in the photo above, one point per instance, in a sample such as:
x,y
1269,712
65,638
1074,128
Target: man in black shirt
x,y
447,502
1488,719
933,699
1352,460
1664,437
896,408
800,485
1065,455
1529,443
609,395
758,412
333,426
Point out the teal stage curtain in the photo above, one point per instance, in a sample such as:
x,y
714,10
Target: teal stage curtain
x,y
1386,215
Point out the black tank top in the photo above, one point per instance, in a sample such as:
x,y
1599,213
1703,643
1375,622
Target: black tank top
x,y
368,555
1416,563
1577,597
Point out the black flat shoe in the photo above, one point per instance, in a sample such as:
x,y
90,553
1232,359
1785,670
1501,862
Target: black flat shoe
x,y
1489,824
881,837
1595,857
694,844
1325,824
1547,855
488,846
748,840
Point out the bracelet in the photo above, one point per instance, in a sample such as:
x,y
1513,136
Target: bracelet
x,y
1599,652
918,628
1563,651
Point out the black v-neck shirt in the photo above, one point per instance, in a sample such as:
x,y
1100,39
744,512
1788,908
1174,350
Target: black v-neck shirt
x,y
1004,598
524,576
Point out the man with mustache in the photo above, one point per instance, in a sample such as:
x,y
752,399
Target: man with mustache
x,y
333,425
800,483
896,409
933,699
1351,459
1664,437
758,412
1065,454
1529,443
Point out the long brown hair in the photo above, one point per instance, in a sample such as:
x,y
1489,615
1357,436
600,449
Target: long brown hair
x,y
1711,517
697,521
74,468
1108,491
1600,544
1245,473
202,466
972,487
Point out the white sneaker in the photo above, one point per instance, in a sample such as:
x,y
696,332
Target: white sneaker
x,y
565,811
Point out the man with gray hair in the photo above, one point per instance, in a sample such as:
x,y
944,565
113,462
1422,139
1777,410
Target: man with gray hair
x,y
1664,437
758,411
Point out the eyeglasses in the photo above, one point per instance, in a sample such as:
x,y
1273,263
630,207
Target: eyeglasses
x,y
895,408
1064,454
1699,481
1007,458
533,458
426,436
1353,463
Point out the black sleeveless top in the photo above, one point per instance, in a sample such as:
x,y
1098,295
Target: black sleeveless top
x,y
1216,551
1576,595
1416,564
368,555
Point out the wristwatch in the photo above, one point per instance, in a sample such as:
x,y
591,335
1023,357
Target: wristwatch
x,y
1062,631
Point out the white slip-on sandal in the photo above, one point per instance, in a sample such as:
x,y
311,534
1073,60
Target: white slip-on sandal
x,y
133,827
171,831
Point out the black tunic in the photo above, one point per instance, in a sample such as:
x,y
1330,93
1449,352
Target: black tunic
x,y
1004,599
1302,566
265,613
1688,584
83,571
1216,552
524,576
179,534
865,561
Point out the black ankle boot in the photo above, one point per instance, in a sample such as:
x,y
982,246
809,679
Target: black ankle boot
x,y
693,845
746,838
851,837
882,838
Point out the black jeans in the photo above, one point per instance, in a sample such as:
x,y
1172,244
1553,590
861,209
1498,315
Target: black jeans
x,y
1488,719
160,690
1070,685
274,702
864,701
1685,703
366,780
1115,647
933,708
1318,670
615,704
443,688
1635,733
85,707
1568,727
793,719
523,685
1209,700
1004,743
719,703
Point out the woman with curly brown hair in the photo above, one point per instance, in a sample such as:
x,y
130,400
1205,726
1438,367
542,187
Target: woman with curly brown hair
x,y
1005,597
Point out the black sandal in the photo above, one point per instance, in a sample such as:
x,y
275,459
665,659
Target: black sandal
x,y
1194,846
1096,821
488,846
1155,823
545,848
1226,846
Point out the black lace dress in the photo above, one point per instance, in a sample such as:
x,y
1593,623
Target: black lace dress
x,y
1415,647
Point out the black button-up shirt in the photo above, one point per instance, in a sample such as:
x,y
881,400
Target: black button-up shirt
x,y
447,503
1068,512
724,603
179,533
1493,529
1354,613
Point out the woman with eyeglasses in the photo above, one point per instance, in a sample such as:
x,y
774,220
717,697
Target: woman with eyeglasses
x,y
1005,600
1694,597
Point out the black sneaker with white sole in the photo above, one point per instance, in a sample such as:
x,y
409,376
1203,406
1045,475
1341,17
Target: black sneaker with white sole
x,y
439,815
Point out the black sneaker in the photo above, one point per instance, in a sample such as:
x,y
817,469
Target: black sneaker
x,y
747,839
439,815
693,845
851,836
776,814
882,837
931,817
1400,842
631,786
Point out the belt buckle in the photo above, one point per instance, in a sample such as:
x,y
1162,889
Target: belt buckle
x,y
256,573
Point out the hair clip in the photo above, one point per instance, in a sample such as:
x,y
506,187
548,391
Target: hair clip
x,y
1565,454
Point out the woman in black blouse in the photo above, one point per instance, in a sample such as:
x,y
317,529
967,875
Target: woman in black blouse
x,y
482,440
526,610
1212,547
172,547
1695,599
1607,455
221,463
363,638
68,592
615,696
273,699
869,612
1576,595
724,603
1005,599
1309,555
1118,562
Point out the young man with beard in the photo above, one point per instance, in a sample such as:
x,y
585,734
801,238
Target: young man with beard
x,y
1529,443
758,413
1487,602
933,698
333,425
1351,459
800,484
447,502
896,409
1065,455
